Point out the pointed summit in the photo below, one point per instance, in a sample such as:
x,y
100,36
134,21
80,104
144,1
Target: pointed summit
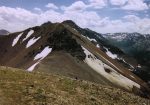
x,y
70,23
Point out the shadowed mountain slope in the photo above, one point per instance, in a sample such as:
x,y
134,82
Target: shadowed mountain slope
x,y
136,45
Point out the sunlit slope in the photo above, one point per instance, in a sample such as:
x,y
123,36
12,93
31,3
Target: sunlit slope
x,y
18,87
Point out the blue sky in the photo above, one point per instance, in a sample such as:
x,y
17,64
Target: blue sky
x,y
30,4
103,16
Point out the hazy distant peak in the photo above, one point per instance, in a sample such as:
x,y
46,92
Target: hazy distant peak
x,y
4,32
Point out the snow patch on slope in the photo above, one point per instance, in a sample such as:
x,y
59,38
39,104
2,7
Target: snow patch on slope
x,y
32,41
116,36
97,45
16,39
43,54
33,66
126,63
119,37
110,54
91,39
28,35
40,56
132,76
113,76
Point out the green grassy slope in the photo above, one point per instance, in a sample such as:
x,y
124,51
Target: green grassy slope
x,y
18,87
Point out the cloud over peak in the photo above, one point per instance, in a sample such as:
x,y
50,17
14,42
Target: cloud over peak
x,y
85,14
51,6
118,2
76,6
135,5
98,4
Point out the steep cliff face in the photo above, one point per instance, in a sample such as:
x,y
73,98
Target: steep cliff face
x,y
63,49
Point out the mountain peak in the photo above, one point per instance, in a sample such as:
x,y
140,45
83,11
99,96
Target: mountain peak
x,y
4,32
47,23
70,23
65,48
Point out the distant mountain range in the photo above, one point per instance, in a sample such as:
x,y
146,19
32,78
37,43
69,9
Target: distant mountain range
x,y
66,49
136,45
4,32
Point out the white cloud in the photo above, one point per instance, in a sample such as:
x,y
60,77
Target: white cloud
x,y
98,4
49,15
37,9
76,6
83,19
147,15
135,5
17,19
51,6
132,18
137,24
129,23
118,2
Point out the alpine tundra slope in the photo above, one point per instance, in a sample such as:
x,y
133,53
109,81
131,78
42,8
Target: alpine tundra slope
x,y
66,49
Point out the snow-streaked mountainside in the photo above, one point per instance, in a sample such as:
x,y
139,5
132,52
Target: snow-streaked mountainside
x,y
125,36
4,32
66,49
136,45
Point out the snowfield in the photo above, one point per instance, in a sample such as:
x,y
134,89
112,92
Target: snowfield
x,y
110,54
120,38
17,39
108,72
28,35
40,56
33,66
91,39
98,46
43,54
126,63
32,41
